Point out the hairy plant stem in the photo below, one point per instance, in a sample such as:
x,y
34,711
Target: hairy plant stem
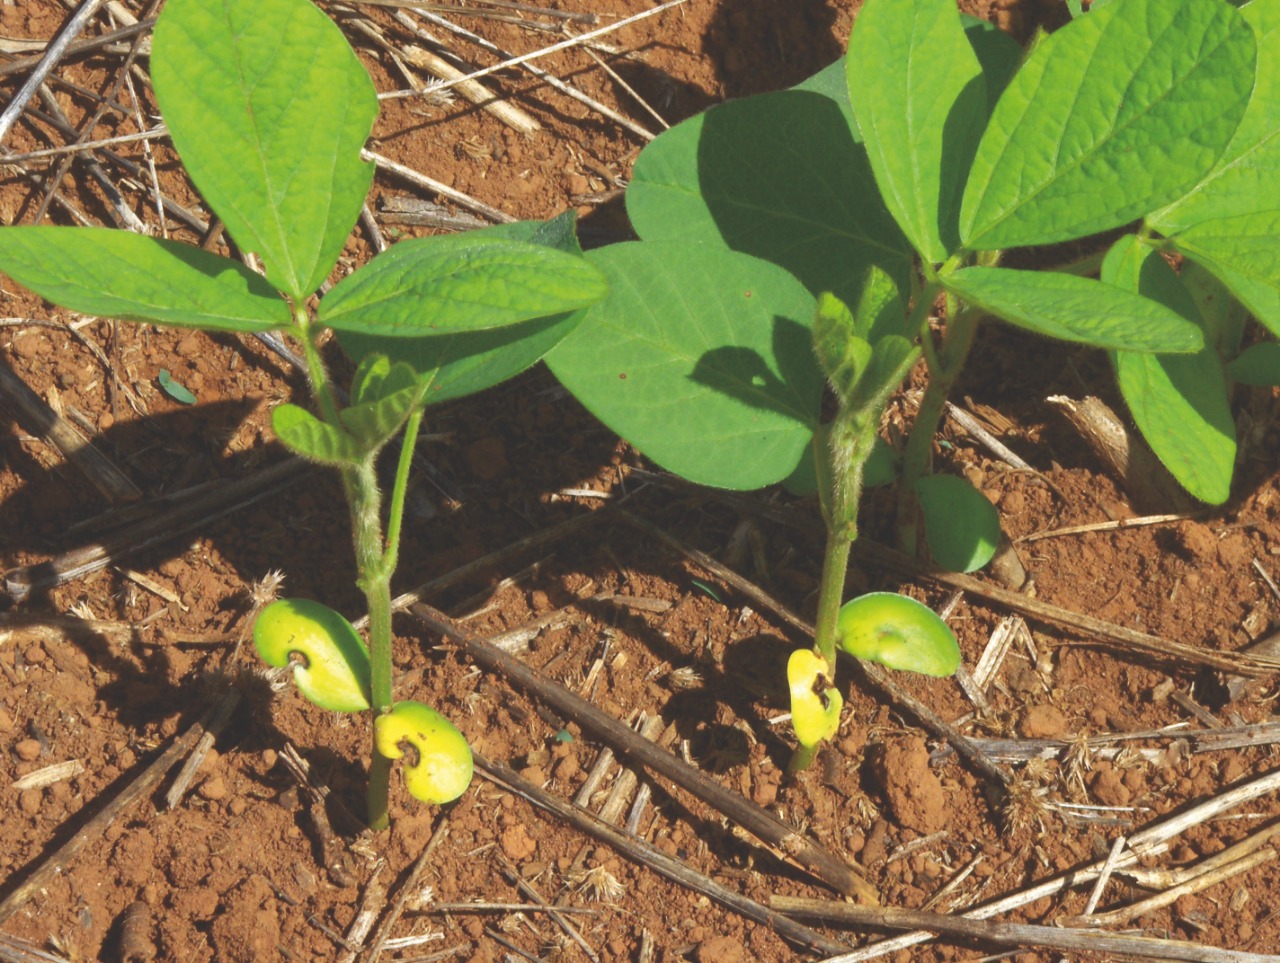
x,y
944,366
375,562
851,438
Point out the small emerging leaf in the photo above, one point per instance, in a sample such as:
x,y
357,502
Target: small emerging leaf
x,y
331,664
312,438
815,703
899,632
178,392
961,526
441,771
843,355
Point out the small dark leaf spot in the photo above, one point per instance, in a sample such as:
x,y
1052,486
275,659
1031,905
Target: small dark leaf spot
x,y
746,294
622,376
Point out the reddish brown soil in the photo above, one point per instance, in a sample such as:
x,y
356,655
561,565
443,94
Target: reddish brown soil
x,y
237,871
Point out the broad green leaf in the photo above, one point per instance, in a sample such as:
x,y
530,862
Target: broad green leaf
x,y
457,283
997,52
1258,364
456,365
1076,309
117,274
920,101
269,108
1246,179
304,433
780,176
961,526
1244,253
1111,117
701,358
1178,401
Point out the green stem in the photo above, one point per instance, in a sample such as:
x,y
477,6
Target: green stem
x,y
373,573
802,758
317,373
399,489
374,579
944,367
378,795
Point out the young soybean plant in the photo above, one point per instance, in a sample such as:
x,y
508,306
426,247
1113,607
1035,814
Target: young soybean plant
x,y
269,109
805,236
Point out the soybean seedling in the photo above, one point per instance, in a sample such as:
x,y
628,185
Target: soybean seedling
x,y
269,109
832,235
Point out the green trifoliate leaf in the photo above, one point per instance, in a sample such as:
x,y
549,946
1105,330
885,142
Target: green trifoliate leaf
x,y
456,365
700,357
304,433
920,100
961,526
1178,401
899,632
440,766
892,358
1077,309
459,283
1110,117
117,274
780,176
815,703
842,354
374,423
269,108
377,376
1258,365
331,664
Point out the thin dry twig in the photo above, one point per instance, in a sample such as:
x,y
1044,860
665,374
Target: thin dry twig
x,y
546,77
1009,934
638,851
53,53
760,823
1145,842
419,179
538,54
407,890
1119,524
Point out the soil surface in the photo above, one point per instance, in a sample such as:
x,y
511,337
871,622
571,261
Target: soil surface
x,y
104,671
